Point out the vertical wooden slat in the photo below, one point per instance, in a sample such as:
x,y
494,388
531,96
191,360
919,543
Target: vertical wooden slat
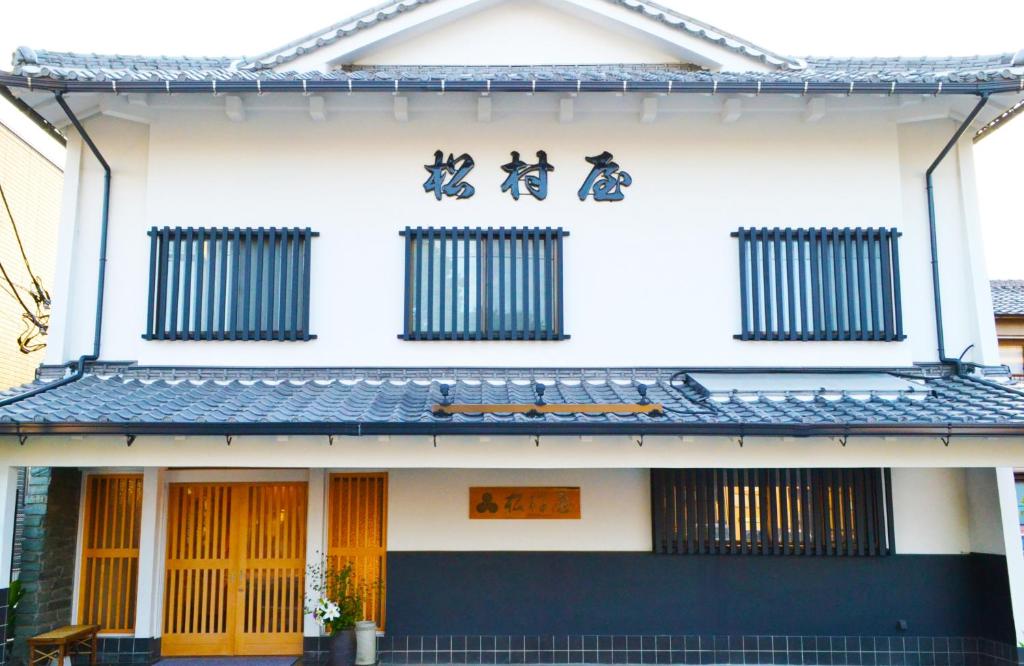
x,y
442,285
755,284
848,270
766,268
161,313
410,278
467,283
186,289
559,263
817,304
779,304
741,241
454,234
175,280
154,263
216,252
791,291
222,274
536,242
197,321
430,284
549,313
659,507
805,308
502,332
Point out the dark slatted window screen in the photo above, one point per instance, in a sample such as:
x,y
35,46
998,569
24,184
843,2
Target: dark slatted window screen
x,y
483,284
827,512
820,284
229,284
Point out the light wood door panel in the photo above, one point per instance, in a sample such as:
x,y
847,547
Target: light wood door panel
x,y
235,569
357,534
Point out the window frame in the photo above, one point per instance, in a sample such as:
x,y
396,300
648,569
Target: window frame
x,y
823,512
483,283
244,306
819,284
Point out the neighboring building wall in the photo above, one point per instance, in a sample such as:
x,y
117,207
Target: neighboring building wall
x,y
1010,330
33,188
49,548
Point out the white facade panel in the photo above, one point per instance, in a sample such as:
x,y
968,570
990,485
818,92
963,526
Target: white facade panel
x,y
651,280
428,509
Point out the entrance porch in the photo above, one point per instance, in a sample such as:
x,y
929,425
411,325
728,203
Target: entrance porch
x,y
689,564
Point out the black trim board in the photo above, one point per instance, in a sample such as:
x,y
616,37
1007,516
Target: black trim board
x,y
466,593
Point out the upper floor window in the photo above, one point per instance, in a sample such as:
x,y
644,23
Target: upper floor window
x,y
820,284
483,284
229,284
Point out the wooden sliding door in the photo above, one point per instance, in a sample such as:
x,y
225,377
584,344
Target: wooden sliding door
x,y
235,569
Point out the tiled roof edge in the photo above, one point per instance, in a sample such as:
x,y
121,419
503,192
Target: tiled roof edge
x,y
386,11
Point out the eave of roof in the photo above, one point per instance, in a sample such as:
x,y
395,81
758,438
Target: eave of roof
x,y
150,401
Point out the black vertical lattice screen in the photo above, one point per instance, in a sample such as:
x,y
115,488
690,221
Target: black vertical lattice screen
x,y
483,284
229,284
820,284
826,512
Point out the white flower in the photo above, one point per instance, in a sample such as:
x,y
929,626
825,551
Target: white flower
x,y
332,612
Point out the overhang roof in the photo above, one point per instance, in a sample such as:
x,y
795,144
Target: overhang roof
x,y
82,67
1008,298
129,399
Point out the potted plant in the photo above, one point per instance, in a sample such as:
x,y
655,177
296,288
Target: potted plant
x,y
336,604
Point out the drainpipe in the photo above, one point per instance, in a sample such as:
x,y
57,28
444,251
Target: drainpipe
x,y
936,290
79,365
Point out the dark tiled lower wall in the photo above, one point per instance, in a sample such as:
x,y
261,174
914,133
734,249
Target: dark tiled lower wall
x,y
128,650
795,650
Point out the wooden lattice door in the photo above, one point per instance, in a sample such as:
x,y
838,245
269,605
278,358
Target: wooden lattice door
x,y
357,534
235,569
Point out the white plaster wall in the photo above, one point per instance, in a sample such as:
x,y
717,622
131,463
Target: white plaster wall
x,y
648,281
456,452
930,511
986,522
496,32
521,33
428,509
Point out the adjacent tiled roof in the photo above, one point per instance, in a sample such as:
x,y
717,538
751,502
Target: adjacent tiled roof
x,y
121,68
389,10
1007,297
133,396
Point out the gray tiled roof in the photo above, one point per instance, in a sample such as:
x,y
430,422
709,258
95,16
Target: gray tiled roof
x,y
1007,297
133,395
390,10
65,66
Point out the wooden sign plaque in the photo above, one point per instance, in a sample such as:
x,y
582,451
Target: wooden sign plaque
x,y
530,502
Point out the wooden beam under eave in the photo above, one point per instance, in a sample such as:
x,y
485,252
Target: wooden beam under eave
x,y
814,110
317,108
234,107
566,110
649,110
732,109
484,108
401,108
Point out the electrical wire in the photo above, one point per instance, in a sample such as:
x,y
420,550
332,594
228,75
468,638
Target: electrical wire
x,y
36,324
40,292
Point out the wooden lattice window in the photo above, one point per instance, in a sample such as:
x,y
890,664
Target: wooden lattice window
x,y
825,512
483,284
229,284
109,574
357,533
820,284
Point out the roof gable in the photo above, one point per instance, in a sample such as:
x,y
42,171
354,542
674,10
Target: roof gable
x,y
682,38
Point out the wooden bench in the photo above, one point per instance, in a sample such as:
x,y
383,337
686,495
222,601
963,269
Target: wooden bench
x,y
66,641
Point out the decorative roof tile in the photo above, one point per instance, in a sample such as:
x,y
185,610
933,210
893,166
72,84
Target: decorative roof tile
x,y
132,396
1007,297
122,68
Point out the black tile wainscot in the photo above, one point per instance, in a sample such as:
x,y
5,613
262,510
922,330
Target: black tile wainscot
x,y
588,649
127,650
